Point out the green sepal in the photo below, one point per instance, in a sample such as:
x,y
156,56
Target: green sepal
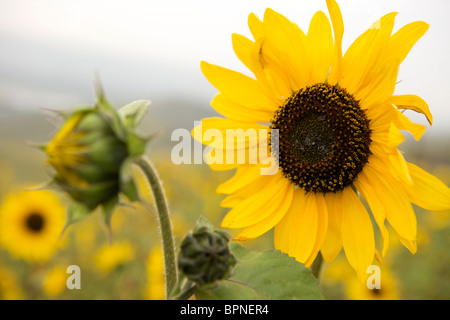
x,y
201,223
67,114
128,186
112,117
48,185
108,210
75,213
130,190
135,144
132,113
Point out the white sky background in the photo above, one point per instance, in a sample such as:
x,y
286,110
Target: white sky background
x,y
51,49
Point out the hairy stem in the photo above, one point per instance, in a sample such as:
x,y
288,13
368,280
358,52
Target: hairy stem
x,y
162,207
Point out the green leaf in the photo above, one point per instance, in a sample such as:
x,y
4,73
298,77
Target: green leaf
x,y
275,274
132,113
229,290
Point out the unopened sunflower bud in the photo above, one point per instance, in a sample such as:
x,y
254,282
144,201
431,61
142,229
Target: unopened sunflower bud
x,y
89,152
205,256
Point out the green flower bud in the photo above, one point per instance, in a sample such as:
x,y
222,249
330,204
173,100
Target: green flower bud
x,y
87,157
90,151
205,256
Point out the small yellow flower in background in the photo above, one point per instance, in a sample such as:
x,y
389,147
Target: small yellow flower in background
x,y
54,282
388,290
30,224
339,126
155,289
109,257
9,287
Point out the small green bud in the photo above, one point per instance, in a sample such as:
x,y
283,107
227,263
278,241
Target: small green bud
x,y
205,256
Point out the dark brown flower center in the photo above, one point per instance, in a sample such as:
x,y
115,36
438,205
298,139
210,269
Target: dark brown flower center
x,y
35,222
324,138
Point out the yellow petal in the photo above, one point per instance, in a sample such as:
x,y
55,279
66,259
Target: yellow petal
x,y
258,206
250,53
380,87
403,123
332,244
283,229
399,211
243,47
218,133
357,233
412,102
288,43
238,87
320,46
338,29
365,187
388,138
273,69
383,113
427,191
236,111
256,26
322,219
246,191
244,176
272,218
304,228
411,245
404,39
363,55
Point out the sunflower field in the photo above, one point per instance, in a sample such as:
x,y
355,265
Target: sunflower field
x,y
131,266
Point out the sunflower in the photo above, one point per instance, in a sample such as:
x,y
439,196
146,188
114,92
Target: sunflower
x,y
338,123
30,224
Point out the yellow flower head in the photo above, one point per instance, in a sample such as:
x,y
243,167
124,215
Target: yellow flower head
x,y
90,154
338,128
111,256
30,224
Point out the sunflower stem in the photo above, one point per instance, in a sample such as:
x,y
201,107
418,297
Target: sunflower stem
x,y
164,220
187,291
317,266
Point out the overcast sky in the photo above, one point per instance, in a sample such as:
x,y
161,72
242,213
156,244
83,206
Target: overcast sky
x,y
51,49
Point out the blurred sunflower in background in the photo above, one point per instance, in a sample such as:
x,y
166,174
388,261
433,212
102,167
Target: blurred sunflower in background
x,y
355,290
9,285
30,224
111,256
338,124
155,288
